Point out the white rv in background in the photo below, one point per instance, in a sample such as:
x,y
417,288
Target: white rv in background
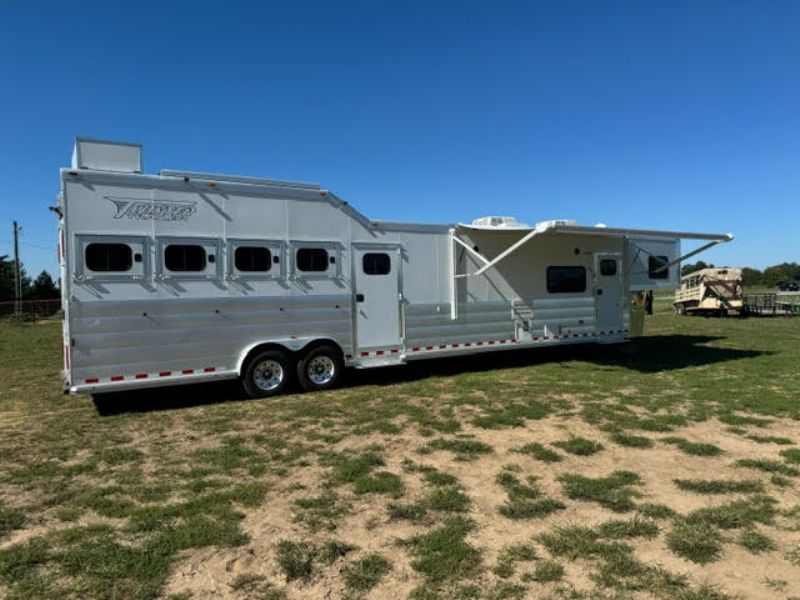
x,y
184,277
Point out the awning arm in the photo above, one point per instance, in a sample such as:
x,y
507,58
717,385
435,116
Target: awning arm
x,y
515,246
472,251
702,248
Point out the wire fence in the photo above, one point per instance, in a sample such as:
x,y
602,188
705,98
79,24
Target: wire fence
x,y
30,310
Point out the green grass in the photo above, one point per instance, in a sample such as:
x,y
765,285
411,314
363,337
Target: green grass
x,y
755,541
699,542
525,500
737,514
442,555
296,559
768,466
10,520
791,455
635,527
693,448
614,491
720,486
107,499
464,449
540,452
365,573
547,571
579,446
631,441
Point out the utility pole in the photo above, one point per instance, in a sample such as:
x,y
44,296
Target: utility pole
x,y
17,273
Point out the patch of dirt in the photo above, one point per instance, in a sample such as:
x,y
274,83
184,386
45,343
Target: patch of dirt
x,y
208,573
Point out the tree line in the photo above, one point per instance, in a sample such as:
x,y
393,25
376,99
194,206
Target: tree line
x,y
43,287
770,277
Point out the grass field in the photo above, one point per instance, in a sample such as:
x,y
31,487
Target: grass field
x,y
668,468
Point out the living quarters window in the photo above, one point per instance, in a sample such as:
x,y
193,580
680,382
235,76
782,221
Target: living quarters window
x,y
252,259
564,280
185,258
608,267
654,267
376,263
313,259
107,258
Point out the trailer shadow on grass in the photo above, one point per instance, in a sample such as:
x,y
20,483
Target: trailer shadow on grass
x,y
654,354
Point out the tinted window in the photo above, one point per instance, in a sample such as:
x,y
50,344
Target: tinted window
x,y
185,258
105,258
608,267
562,280
312,259
376,263
252,259
656,262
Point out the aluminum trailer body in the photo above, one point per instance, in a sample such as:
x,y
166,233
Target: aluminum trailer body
x,y
184,277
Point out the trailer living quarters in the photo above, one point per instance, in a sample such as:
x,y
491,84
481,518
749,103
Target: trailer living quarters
x,y
184,277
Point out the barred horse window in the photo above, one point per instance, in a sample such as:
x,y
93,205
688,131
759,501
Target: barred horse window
x,y
312,260
109,258
185,258
252,259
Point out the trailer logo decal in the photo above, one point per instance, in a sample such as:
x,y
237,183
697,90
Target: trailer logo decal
x,y
156,210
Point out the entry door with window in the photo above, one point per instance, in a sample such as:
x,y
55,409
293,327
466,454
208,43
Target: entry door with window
x,y
608,291
377,276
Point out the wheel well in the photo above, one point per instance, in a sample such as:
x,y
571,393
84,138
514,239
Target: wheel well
x,y
261,348
322,342
290,353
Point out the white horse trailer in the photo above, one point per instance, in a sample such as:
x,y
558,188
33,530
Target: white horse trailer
x,y
184,277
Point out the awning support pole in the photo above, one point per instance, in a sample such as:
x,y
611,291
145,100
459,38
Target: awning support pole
x,y
685,256
515,246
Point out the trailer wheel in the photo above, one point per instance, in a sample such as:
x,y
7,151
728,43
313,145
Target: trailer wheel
x,y
320,368
267,374
680,309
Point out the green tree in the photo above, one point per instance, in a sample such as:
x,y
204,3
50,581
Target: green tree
x,y
44,288
752,277
691,268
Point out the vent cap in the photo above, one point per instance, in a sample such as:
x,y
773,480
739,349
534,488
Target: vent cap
x,y
99,155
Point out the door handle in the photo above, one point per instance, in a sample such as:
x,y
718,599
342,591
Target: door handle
x,y
600,292
359,297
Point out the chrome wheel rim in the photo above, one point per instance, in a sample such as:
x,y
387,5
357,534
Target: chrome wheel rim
x,y
321,370
268,375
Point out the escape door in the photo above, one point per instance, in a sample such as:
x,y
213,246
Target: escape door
x,y
377,297
608,291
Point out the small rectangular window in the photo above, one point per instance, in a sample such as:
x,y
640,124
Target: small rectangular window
x,y
312,259
565,280
608,267
376,263
251,259
185,258
654,264
106,258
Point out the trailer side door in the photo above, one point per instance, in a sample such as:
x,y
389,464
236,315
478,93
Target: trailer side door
x,y
377,297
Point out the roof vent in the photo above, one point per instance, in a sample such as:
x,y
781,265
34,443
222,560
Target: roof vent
x,y
98,155
499,222
542,225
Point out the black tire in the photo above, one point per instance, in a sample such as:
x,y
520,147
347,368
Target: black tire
x,y
268,373
320,368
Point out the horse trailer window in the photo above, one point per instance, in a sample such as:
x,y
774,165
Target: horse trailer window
x,y
251,259
608,267
654,263
107,258
185,258
565,280
312,259
376,263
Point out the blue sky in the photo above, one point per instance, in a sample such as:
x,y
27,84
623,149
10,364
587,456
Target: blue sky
x,y
675,115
